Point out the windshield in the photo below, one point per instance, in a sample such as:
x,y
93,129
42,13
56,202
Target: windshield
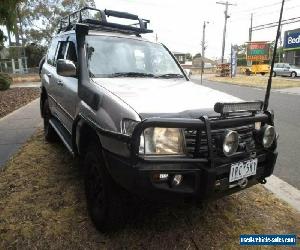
x,y
115,57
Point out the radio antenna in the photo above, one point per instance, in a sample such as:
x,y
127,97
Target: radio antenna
x,y
267,96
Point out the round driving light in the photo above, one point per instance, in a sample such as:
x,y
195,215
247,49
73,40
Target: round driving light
x,y
268,136
177,179
230,143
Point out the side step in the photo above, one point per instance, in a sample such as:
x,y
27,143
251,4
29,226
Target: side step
x,y
63,134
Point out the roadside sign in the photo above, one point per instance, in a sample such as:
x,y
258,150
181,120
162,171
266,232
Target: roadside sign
x,y
233,60
291,40
258,51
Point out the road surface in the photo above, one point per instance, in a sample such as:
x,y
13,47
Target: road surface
x,y
287,122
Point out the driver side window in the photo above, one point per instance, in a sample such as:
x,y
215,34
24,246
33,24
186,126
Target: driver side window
x,y
67,51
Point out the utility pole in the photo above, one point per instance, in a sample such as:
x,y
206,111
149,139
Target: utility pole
x,y
203,48
249,63
225,26
250,29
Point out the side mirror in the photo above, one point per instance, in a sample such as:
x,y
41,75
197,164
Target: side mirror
x,y
65,68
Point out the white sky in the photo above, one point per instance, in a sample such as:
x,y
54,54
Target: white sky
x,y
178,24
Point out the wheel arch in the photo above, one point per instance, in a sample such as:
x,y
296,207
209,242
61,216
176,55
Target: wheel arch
x,y
43,97
84,133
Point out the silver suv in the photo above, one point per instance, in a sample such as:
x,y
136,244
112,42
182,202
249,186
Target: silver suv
x,y
285,69
127,110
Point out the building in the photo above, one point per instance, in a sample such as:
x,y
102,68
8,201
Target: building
x,y
291,47
208,63
181,57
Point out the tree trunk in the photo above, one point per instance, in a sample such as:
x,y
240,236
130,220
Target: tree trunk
x,y
8,35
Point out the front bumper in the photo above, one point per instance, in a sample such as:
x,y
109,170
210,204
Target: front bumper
x,y
199,180
203,177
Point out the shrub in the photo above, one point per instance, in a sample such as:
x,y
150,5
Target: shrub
x,y
5,81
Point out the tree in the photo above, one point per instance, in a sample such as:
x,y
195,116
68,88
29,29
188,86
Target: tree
x,y
241,54
188,56
197,55
41,17
8,18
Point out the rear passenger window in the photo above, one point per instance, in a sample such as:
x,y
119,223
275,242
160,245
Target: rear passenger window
x,y
51,52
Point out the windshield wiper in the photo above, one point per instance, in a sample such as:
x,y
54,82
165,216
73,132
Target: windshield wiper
x,y
131,74
170,75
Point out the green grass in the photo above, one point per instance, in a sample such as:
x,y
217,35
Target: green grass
x,y
42,205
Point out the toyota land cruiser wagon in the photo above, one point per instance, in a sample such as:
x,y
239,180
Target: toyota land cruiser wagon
x,y
126,108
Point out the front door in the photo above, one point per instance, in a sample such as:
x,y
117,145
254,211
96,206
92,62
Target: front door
x,y
67,96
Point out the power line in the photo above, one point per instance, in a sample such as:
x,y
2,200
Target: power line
x,y
274,24
246,17
262,6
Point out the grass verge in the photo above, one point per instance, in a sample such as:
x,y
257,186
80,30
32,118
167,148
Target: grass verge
x,y
256,81
42,205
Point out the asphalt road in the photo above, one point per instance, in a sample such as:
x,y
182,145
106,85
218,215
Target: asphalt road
x,y
287,122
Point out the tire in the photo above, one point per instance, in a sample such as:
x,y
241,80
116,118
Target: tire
x,y
293,74
103,196
49,132
274,74
262,73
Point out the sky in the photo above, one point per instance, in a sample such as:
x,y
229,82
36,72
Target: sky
x,y
178,24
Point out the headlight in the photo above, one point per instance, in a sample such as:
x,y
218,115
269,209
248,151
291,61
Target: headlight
x,y
231,142
269,135
162,141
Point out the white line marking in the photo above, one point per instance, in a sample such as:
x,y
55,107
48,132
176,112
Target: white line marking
x,y
284,191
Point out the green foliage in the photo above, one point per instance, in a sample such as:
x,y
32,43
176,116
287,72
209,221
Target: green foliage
x,y
8,13
197,55
189,56
2,39
5,81
41,17
8,17
34,54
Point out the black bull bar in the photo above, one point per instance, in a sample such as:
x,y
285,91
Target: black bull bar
x,y
203,123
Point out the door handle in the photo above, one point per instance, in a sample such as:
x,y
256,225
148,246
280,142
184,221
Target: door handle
x,y
49,75
59,83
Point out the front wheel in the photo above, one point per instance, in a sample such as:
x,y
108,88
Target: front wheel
x,y
103,195
293,74
274,74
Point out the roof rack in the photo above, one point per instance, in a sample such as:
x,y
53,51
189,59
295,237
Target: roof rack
x,y
98,21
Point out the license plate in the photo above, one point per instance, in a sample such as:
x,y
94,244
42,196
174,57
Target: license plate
x,y
242,169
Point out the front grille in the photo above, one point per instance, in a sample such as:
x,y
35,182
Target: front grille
x,y
200,149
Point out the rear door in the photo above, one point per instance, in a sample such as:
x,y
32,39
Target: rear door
x,y
67,86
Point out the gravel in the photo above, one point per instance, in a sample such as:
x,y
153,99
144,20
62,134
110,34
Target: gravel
x,y
15,98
